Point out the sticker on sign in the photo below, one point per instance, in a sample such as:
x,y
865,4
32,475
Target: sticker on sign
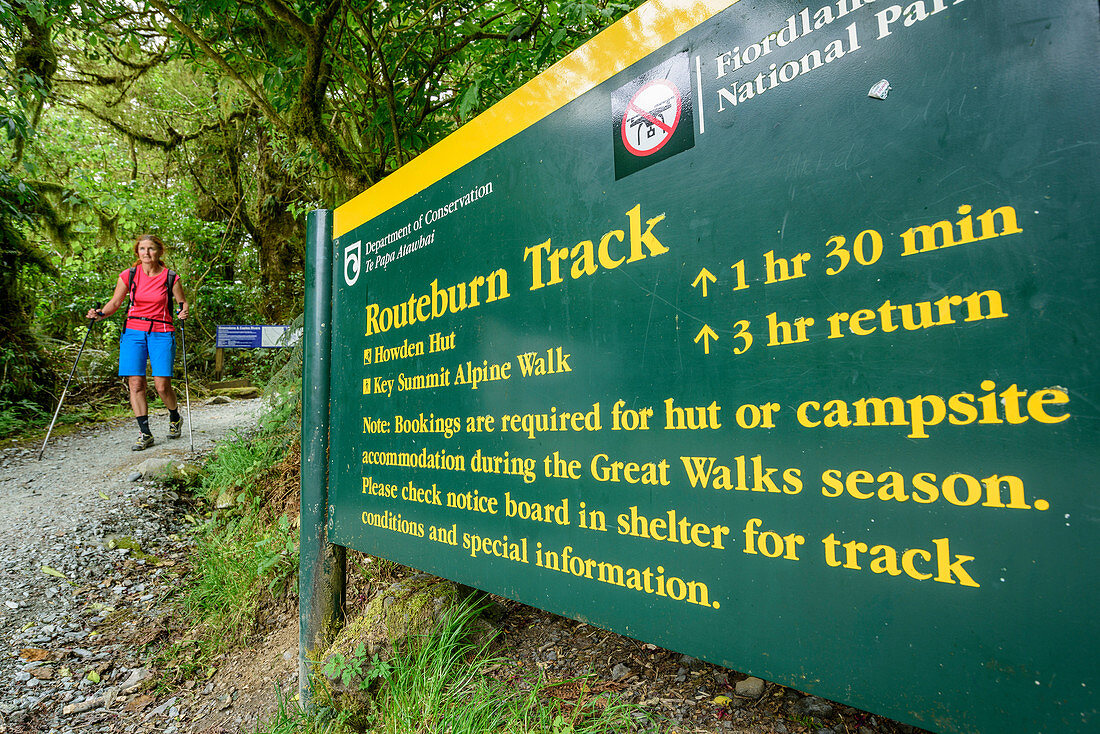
x,y
652,116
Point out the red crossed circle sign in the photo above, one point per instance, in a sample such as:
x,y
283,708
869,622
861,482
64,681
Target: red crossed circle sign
x,y
651,117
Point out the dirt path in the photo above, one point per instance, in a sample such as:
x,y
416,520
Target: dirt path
x,y
73,610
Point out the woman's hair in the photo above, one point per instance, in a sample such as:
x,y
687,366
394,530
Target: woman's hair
x,y
151,238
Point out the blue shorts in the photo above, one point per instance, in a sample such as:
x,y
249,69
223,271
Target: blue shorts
x,y
136,347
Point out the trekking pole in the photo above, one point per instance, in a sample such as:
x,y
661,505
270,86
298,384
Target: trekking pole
x,y
186,386
91,322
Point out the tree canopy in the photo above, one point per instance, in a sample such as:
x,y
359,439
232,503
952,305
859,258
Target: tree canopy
x,y
217,124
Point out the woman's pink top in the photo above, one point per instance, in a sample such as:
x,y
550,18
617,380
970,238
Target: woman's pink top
x,y
149,299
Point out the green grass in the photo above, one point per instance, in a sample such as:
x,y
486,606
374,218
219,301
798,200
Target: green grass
x,y
237,461
443,686
235,567
245,556
291,719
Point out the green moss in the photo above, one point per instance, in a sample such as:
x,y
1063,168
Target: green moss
x,y
238,393
403,616
114,542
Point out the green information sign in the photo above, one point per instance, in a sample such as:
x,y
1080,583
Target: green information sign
x,y
765,332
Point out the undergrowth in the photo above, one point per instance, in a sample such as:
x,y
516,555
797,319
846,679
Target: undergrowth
x,y
92,395
449,684
246,542
24,420
16,416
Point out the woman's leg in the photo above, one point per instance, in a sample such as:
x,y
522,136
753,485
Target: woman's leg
x,y
167,394
138,400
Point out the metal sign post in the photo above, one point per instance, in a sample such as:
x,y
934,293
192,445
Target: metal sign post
x,y
321,575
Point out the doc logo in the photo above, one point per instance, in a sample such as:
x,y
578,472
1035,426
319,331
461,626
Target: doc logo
x,y
353,255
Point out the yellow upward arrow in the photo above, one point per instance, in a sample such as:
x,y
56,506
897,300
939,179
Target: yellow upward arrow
x,y
706,333
703,277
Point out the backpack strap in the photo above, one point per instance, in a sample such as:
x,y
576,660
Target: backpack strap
x,y
133,294
133,272
169,282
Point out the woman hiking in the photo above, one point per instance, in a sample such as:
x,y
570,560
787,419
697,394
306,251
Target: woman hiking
x,y
148,335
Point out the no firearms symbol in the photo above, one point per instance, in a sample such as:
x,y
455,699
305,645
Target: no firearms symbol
x,y
652,117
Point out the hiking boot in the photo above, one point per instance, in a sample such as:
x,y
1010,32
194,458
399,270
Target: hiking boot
x,y
144,441
175,428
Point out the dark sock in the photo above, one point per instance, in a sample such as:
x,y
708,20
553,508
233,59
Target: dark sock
x,y
143,424
173,415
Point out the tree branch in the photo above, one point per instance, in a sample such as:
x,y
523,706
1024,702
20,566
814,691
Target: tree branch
x,y
175,139
283,13
219,60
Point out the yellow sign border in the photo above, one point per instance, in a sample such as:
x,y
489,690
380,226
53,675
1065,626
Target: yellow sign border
x,y
646,29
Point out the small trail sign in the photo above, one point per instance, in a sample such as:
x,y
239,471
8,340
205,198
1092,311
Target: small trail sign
x,y
249,336
236,336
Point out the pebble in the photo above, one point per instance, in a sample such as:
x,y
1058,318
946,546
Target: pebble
x,y
813,706
751,687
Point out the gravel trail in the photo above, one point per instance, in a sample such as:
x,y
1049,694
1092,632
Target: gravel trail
x,y
75,611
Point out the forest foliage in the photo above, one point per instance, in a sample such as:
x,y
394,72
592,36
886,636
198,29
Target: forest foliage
x,y
218,125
